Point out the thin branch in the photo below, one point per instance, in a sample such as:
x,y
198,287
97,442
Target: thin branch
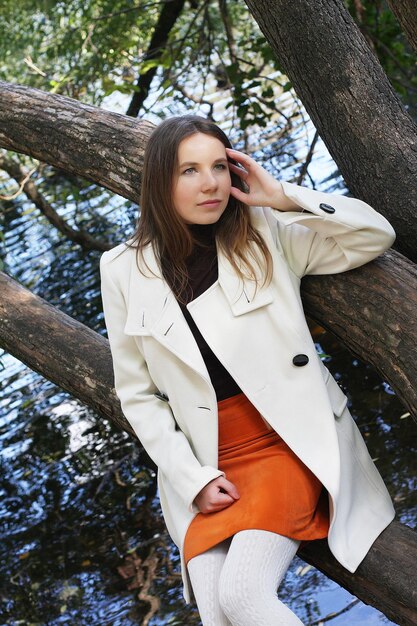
x,y
200,101
28,187
21,184
169,14
304,168
137,7
224,13
331,616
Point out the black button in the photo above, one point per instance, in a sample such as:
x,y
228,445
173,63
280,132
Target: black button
x,y
327,207
300,359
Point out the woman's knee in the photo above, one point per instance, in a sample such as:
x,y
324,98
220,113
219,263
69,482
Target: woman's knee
x,y
230,600
239,596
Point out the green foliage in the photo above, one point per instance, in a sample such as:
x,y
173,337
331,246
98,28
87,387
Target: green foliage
x,y
215,61
72,47
90,49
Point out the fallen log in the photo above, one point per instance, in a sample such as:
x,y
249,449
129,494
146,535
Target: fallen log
x,y
372,310
104,147
386,578
78,360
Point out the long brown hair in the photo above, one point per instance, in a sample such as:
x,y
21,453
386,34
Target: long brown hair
x,y
160,225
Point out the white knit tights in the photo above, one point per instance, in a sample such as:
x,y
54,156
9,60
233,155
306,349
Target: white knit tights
x,y
235,583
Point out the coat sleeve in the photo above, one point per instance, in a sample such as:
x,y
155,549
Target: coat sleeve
x,y
150,417
331,233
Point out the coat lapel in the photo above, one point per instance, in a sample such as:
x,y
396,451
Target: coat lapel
x,y
242,296
154,310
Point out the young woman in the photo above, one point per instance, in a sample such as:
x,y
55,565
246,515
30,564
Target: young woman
x,y
218,375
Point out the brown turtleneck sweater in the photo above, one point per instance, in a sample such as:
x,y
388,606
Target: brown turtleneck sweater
x,y
203,272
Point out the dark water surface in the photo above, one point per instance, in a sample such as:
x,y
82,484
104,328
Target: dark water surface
x,y
82,539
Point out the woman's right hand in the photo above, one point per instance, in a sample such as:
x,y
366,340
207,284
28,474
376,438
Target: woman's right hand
x,y
216,495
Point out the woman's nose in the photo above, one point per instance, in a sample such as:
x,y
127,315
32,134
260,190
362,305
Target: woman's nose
x,y
209,181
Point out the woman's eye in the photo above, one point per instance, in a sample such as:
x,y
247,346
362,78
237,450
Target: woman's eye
x,y
220,166
189,170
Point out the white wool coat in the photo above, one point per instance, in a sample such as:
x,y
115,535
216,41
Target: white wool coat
x,y
166,393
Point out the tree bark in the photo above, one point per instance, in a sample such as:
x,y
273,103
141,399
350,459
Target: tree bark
x,y
384,579
372,310
406,13
78,360
106,148
64,351
351,102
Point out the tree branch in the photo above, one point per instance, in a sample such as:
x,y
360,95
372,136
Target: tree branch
x,y
169,14
406,13
27,186
104,147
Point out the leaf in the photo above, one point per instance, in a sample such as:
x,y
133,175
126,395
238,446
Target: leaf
x,y
404,415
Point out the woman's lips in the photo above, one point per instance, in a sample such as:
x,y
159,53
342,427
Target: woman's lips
x,y
209,202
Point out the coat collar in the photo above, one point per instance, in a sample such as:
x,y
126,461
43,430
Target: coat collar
x,y
152,308
150,295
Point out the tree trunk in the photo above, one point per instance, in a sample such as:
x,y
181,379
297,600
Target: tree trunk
x,y
78,360
406,13
351,102
377,324
64,351
106,148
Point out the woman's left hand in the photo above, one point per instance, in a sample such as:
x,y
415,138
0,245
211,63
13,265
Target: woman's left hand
x,y
263,189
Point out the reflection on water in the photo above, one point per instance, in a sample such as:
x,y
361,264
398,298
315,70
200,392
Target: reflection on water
x,y
82,540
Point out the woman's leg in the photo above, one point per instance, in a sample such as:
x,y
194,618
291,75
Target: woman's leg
x,y
256,563
204,571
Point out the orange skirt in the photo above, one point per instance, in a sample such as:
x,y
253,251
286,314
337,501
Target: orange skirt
x,y
277,491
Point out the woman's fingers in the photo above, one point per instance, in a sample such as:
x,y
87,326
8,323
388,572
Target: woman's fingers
x,y
222,500
240,157
261,188
225,493
240,171
216,495
228,487
239,194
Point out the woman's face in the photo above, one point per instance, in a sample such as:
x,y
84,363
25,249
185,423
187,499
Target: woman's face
x,y
201,184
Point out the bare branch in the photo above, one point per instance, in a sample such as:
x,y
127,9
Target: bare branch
x,y
16,171
169,14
